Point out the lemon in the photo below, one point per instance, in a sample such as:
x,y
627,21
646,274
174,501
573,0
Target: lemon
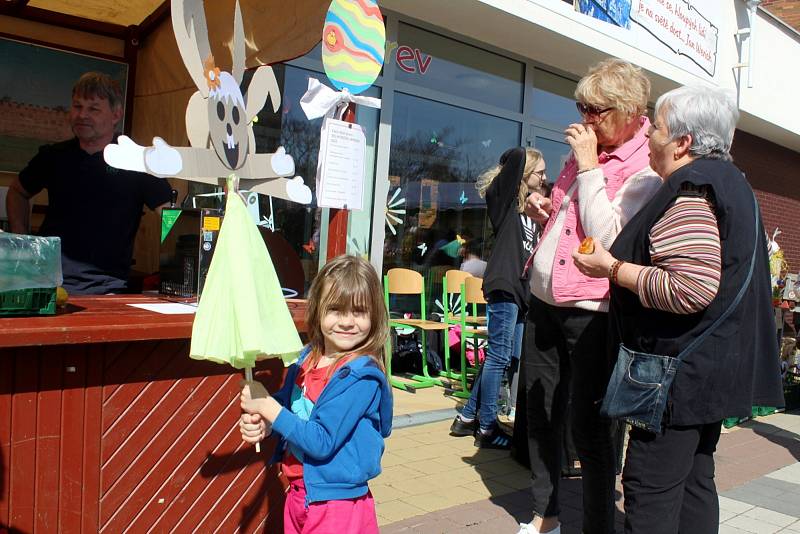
x,y
61,296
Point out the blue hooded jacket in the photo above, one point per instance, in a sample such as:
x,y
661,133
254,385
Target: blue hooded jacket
x,y
342,442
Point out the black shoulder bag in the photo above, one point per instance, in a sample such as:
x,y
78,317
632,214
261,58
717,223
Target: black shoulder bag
x,y
638,388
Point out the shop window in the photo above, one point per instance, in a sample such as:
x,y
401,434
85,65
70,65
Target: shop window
x,y
295,233
429,60
437,152
553,100
555,155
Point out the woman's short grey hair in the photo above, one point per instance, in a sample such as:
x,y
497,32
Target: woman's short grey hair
x,y
708,114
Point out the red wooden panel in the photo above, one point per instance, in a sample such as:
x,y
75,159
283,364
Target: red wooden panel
x,y
179,442
222,487
264,496
72,431
132,358
93,411
184,460
6,388
48,443
134,414
211,402
22,463
151,428
114,356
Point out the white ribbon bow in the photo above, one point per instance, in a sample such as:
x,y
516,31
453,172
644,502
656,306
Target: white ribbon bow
x,y
320,100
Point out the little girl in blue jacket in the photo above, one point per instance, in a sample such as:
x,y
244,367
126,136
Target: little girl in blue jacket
x,y
335,407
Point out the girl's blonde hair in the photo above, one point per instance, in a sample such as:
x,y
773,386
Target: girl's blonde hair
x,y
532,157
352,285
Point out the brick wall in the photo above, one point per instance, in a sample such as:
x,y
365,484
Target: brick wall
x,y
773,172
786,10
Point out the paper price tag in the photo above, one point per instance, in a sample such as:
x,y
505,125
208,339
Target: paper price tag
x,y
341,173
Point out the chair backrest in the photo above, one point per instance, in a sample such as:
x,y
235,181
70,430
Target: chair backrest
x,y
404,282
399,281
473,291
454,279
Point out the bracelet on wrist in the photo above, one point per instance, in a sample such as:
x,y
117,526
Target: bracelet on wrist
x,y
613,271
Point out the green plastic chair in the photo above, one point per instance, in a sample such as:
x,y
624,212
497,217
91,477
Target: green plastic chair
x,y
407,282
453,285
470,322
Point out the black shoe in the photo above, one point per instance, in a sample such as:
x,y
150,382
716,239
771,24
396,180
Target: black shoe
x,y
460,428
497,439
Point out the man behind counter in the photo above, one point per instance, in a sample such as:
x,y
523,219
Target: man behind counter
x,y
95,209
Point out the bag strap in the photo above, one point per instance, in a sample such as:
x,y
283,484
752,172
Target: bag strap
x,y
739,295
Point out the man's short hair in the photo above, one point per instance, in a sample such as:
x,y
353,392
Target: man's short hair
x,y
99,85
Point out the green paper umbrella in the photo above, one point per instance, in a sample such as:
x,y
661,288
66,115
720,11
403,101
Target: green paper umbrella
x,y
242,315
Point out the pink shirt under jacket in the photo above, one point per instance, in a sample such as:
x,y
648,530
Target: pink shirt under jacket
x,y
568,283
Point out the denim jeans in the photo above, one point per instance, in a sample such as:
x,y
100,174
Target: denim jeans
x,y
505,341
565,352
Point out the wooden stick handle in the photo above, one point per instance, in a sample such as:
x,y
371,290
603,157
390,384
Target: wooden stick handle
x,y
248,375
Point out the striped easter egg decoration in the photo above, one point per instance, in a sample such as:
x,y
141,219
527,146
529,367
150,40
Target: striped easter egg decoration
x,y
353,44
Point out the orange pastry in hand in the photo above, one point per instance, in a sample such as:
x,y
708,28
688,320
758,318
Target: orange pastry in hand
x,y
587,246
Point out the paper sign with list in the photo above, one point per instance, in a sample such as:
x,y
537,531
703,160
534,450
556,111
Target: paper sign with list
x,y
343,148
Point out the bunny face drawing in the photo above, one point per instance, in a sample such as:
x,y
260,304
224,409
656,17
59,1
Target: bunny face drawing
x,y
227,122
218,119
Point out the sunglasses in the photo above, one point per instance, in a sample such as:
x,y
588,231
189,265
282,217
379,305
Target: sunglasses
x,y
588,109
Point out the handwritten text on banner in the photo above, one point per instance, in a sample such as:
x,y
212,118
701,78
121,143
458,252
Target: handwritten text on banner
x,y
679,25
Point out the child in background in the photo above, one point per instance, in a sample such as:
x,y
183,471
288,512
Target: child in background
x,y
335,407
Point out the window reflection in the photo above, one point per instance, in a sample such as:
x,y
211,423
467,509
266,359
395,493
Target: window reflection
x,y
437,152
555,156
553,100
429,60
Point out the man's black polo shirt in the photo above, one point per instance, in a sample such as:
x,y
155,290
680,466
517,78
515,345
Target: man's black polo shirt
x,y
95,209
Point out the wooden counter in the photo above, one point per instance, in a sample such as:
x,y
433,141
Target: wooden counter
x,y
107,318
107,425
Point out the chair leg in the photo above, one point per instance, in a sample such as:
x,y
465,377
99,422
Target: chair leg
x,y
395,383
448,372
463,393
446,352
425,379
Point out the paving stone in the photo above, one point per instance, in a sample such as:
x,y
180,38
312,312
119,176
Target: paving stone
x,y
769,516
784,485
790,473
749,524
724,515
733,505
477,491
727,529
794,528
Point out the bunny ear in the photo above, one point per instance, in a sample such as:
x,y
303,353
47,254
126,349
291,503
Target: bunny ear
x,y
191,35
239,51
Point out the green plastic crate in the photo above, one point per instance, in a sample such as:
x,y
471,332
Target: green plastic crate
x,y
37,301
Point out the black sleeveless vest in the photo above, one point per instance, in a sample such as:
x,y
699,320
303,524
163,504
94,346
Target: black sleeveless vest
x,y
738,365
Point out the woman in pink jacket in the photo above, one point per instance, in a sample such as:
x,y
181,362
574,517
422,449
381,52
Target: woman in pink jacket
x,y
603,184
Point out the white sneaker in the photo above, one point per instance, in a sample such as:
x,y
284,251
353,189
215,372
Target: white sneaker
x,y
527,528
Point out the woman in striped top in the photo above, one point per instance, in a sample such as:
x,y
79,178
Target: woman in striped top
x,y
676,268
685,251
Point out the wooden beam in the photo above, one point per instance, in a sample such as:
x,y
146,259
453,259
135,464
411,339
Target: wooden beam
x,y
153,20
20,10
